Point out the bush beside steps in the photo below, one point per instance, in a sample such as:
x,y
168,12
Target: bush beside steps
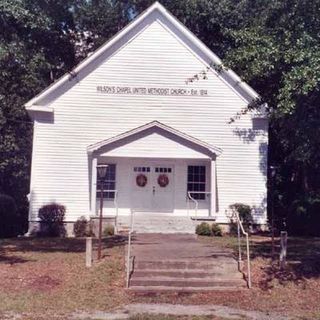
x,y
83,228
205,229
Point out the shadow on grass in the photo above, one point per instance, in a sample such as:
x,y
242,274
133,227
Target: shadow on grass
x,y
12,259
10,248
303,260
112,241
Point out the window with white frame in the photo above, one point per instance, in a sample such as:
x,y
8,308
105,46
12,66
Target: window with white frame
x,y
109,183
197,182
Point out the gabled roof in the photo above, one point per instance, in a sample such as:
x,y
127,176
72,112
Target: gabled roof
x,y
154,127
128,33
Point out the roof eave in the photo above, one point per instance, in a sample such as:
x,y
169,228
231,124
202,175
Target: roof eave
x,y
37,108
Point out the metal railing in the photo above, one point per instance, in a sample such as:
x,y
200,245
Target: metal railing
x,y
195,201
240,230
129,258
115,201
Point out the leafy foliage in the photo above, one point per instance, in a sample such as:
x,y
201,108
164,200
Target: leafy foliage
x,y
8,217
305,217
83,228
245,215
52,218
273,45
244,211
280,55
216,230
108,230
203,229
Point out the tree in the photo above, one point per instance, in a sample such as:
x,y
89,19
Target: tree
x,y
35,48
272,45
40,41
281,57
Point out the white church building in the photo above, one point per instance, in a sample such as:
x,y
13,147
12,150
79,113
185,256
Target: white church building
x,y
137,105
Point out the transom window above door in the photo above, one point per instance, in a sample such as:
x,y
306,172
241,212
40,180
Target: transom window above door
x,y
162,169
197,182
141,169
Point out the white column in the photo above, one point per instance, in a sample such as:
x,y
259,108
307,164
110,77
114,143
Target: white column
x,y
213,188
93,185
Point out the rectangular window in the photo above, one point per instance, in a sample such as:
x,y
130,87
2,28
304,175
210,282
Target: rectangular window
x,y
109,183
161,169
197,182
141,169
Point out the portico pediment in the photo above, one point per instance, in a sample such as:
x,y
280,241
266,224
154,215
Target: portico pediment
x,y
154,139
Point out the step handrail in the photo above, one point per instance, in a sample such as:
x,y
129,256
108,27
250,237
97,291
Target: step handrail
x,y
240,229
129,249
196,202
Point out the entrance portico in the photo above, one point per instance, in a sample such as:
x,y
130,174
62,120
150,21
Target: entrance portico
x,y
156,169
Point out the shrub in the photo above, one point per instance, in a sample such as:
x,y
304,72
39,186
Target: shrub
x,y
304,217
216,230
108,230
8,216
90,229
203,229
245,215
52,217
233,228
245,212
83,228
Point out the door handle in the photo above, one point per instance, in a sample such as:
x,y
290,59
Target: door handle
x,y
153,190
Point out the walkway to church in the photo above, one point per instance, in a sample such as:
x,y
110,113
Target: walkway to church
x,y
181,262
150,246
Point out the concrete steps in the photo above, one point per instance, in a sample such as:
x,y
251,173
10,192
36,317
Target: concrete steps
x,y
190,274
222,265
157,223
220,273
165,289
182,282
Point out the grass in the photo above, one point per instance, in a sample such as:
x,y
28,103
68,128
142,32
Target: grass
x,y
48,276
47,279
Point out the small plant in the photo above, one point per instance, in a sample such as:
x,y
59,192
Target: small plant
x,y
233,228
203,229
52,217
216,230
8,216
245,215
245,212
108,230
82,228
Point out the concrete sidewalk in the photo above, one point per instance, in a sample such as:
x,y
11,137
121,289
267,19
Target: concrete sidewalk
x,y
181,310
174,246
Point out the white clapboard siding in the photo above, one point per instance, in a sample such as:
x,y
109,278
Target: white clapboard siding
x,y
156,57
